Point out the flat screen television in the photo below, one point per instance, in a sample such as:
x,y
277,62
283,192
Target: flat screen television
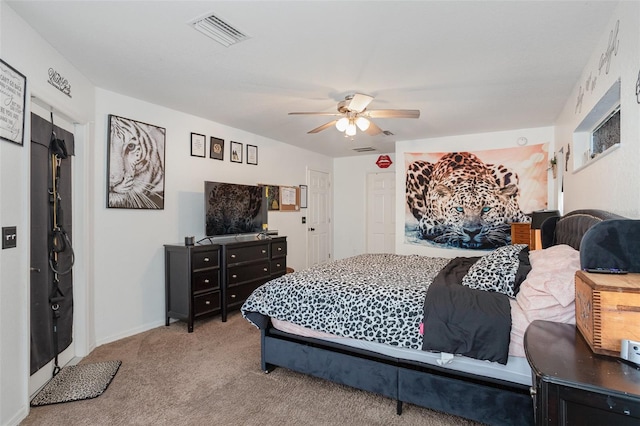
x,y
232,209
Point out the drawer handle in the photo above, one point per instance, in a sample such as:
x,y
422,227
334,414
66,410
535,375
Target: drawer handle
x,y
265,269
234,276
206,259
233,296
206,281
278,265
263,251
279,248
207,302
233,256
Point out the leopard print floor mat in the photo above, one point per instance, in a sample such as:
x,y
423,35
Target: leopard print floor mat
x,y
76,382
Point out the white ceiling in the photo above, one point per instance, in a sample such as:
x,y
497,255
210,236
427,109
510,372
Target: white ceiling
x,y
468,66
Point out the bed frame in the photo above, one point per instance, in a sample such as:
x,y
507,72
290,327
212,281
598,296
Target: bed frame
x,y
475,397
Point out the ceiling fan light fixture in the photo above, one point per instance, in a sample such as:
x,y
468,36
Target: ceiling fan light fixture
x,y
342,124
353,114
351,129
362,123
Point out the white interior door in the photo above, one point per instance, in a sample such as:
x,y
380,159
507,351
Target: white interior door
x,y
319,218
381,229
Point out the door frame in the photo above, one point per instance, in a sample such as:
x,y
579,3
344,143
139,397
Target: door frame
x,y
391,174
329,207
83,336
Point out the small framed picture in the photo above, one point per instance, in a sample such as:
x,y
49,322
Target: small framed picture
x,y
236,152
303,196
216,148
252,154
198,143
13,98
273,197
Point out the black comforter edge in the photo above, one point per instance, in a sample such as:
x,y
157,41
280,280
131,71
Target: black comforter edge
x,y
465,321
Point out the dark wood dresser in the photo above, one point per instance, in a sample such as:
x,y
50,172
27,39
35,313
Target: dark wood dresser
x,y
574,386
192,282
211,279
246,265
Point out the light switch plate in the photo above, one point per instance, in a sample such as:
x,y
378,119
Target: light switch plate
x,y
9,237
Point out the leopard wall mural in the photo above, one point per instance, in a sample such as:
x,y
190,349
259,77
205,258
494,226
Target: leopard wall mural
x,y
461,202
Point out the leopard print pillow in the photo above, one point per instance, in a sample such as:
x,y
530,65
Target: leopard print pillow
x,y
502,270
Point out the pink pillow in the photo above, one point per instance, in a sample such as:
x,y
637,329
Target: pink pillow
x,y
551,280
548,292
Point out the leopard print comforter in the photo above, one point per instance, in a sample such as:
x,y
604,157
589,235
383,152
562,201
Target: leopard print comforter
x,y
372,297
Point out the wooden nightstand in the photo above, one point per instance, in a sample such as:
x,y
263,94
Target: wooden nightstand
x,y
521,233
574,386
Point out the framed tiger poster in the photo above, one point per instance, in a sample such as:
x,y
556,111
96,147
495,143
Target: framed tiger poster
x,y
135,164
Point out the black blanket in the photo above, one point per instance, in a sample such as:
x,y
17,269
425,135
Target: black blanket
x,y
465,321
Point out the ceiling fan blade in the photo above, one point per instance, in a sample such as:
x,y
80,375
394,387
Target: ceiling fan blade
x,y
373,129
323,127
392,113
315,113
359,102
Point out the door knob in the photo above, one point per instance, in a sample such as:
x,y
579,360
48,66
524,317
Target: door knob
x,y
312,229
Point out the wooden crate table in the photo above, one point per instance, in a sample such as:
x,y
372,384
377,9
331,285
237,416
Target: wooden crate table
x,y
607,310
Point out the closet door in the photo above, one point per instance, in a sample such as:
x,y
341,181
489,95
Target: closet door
x,y
381,224
42,345
318,218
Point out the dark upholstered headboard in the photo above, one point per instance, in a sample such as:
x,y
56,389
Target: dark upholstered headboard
x,y
605,240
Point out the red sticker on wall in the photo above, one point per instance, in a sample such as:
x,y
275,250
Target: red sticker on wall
x,y
384,161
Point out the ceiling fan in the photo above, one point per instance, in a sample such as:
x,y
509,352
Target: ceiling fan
x,y
354,114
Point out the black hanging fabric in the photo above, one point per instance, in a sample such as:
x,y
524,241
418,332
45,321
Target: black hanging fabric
x,y
44,239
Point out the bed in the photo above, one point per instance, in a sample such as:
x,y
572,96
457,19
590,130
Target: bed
x,y
445,334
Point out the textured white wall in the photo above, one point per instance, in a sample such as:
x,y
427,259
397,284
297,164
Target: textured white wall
x,y
350,202
126,246
25,50
129,257
611,182
118,275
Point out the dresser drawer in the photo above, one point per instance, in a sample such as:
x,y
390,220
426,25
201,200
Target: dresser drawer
x,y
239,274
278,266
206,280
239,293
206,303
279,249
205,259
249,253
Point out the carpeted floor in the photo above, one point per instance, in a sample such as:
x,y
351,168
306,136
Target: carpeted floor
x,y
212,377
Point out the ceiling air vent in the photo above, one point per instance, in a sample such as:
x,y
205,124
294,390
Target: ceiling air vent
x,y
220,31
364,149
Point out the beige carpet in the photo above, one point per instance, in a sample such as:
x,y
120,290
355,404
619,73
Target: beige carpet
x,y
212,377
